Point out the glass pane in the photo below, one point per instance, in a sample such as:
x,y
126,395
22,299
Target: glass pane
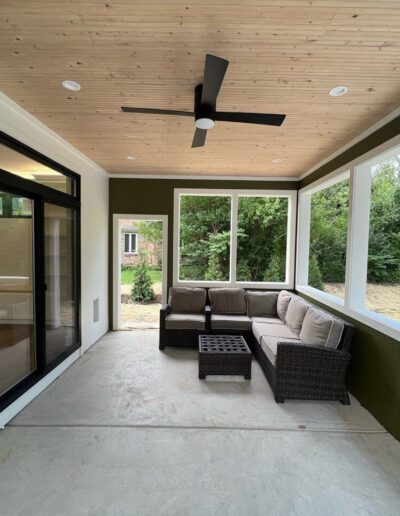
x,y
383,287
27,168
133,242
328,238
60,280
262,238
17,346
127,242
204,239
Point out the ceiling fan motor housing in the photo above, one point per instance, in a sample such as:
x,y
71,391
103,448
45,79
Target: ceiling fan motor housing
x,y
202,111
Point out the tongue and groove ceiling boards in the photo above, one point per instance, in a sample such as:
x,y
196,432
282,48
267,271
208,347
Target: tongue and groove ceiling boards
x,y
285,56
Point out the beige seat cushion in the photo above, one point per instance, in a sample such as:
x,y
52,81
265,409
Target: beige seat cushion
x,y
185,322
295,313
270,320
270,347
273,330
261,304
230,322
227,301
186,300
282,304
320,329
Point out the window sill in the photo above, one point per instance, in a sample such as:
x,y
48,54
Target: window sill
x,y
376,321
237,284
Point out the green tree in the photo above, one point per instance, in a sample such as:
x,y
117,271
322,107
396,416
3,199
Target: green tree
x,y
142,291
314,273
384,232
151,230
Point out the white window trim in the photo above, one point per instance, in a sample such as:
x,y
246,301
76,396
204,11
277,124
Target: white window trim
x,y
234,194
130,233
357,241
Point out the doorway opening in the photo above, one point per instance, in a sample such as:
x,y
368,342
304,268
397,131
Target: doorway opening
x,y
140,270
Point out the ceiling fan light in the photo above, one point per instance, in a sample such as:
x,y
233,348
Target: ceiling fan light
x,y
204,123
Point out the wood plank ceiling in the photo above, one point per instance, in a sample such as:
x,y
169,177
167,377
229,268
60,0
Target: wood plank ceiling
x,y
284,57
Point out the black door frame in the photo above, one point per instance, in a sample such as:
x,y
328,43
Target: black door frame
x,y
40,195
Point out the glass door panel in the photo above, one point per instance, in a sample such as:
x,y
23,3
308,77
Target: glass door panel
x,y
60,276
17,328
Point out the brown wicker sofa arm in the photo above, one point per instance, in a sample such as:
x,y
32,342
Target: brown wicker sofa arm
x,y
164,311
302,355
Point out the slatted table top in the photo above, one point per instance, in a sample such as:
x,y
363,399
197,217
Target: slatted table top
x,y
223,344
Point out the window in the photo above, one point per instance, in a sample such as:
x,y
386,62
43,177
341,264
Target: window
x,y
204,237
329,212
29,168
234,238
349,240
383,270
130,243
262,238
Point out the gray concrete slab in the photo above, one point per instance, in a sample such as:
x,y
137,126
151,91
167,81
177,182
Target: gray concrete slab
x,y
129,430
137,471
125,380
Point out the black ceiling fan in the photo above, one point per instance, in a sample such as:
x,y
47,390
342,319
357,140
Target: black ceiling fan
x,y
205,101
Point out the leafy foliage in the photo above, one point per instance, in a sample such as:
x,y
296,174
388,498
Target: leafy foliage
x,y
205,237
262,234
328,229
328,234
142,291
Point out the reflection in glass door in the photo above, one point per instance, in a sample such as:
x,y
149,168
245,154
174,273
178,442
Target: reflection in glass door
x,y
17,329
60,275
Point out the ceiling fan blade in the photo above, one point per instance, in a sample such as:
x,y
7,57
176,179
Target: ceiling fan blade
x,y
250,118
214,73
199,138
156,111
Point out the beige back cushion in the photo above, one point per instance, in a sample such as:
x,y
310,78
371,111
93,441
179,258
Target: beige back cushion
x,y
295,313
261,304
227,300
187,300
319,329
284,298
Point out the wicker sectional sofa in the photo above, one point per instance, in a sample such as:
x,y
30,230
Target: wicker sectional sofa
x,y
302,350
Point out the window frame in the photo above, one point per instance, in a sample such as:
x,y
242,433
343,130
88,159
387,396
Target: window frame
x,y
353,304
234,194
130,233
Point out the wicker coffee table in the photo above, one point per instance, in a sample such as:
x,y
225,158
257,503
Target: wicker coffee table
x,y
224,354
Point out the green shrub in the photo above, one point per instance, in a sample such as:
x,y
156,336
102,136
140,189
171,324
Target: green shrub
x,y
276,269
142,291
314,274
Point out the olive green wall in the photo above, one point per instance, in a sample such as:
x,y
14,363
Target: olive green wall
x,y
374,375
156,197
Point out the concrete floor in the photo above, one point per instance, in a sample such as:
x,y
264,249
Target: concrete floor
x,y
131,430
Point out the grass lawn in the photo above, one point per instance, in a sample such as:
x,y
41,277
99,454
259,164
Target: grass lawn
x,y
128,275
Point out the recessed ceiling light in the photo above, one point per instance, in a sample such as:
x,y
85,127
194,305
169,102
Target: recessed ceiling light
x,y
276,160
337,91
131,158
71,85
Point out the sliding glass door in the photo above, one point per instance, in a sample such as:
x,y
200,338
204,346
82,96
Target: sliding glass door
x,y
39,267
59,239
17,322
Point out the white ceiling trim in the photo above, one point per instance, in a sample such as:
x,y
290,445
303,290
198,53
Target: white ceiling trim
x,y
202,178
17,122
394,114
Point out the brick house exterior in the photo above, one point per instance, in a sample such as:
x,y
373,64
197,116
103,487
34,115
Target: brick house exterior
x,y
133,245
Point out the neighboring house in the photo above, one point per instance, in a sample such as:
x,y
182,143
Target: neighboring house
x,y
134,245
